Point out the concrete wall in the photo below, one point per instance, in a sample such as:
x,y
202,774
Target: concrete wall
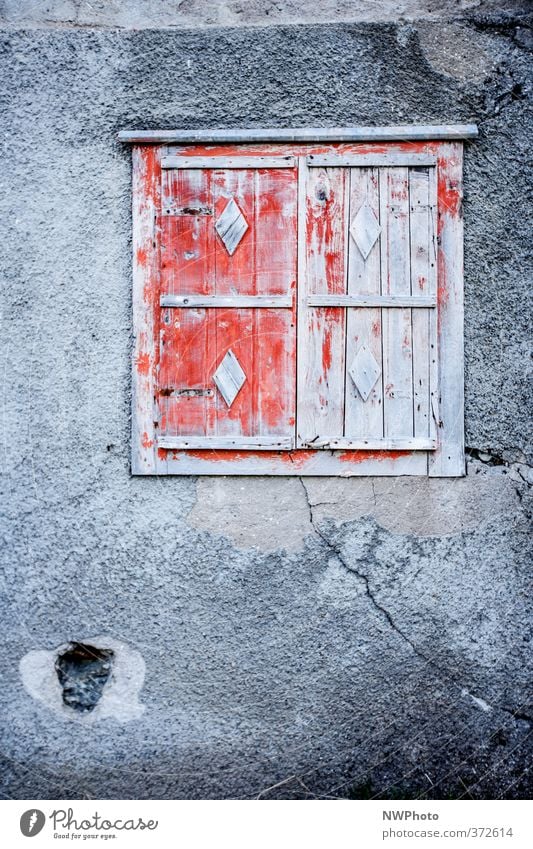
x,y
286,637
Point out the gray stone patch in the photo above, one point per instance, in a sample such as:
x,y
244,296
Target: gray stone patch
x,y
272,514
262,513
457,50
97,679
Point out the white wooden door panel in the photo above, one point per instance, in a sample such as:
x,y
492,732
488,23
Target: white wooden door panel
x,y
374,223
364,412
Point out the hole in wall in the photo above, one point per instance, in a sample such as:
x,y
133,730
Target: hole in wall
x,y
83,671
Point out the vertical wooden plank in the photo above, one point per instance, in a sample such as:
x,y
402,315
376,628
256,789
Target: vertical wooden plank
x,y
235,275
321,383
275,330
364,418
433,316
448,460
187,335
396,323
420,238
145,207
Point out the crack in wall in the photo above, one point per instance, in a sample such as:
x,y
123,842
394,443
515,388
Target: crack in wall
x,y
517,714
362,577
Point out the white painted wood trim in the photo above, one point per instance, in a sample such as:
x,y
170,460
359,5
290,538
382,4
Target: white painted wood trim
x,y
372,444
449,460
144,459
410,132
228,162
232,302
370,301
227,443
370,160
433,316
316,463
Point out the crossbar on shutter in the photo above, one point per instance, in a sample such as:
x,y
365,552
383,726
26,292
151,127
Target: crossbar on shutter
x,y
348,444
228,162
369,301
233,302
371,160
226,443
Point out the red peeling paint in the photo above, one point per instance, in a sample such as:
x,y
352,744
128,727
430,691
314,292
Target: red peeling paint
x,y
142,256
361,456
326,349
449,192
146,442
297,459
142,362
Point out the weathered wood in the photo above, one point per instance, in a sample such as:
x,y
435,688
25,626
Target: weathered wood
x,y
145,201
364,416
187,210
372,301
188,355
396,323
255,327
228,162
229,377
230,302
364,371
322,331
227,443
301,462
245,303
231,225
433,315
380,444
448,459
410,132
420,202
370,160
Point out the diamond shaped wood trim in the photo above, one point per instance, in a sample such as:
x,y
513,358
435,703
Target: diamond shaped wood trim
x,y
364,371
231,226
229,378
365,229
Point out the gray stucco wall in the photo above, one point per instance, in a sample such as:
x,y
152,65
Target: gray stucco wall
x,y
296,638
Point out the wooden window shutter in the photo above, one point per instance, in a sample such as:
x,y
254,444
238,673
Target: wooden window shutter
x,y
298,301
368,339
228,305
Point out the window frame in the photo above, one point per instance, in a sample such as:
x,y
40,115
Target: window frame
x,y
446,145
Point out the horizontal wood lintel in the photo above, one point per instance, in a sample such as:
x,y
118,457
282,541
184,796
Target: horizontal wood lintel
x,y
231,302
371,301
411,132
371,160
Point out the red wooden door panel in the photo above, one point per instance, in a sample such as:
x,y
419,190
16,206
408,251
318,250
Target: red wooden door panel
x,y
227,367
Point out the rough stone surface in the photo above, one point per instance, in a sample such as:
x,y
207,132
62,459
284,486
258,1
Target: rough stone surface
x,y
301,638
184,14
